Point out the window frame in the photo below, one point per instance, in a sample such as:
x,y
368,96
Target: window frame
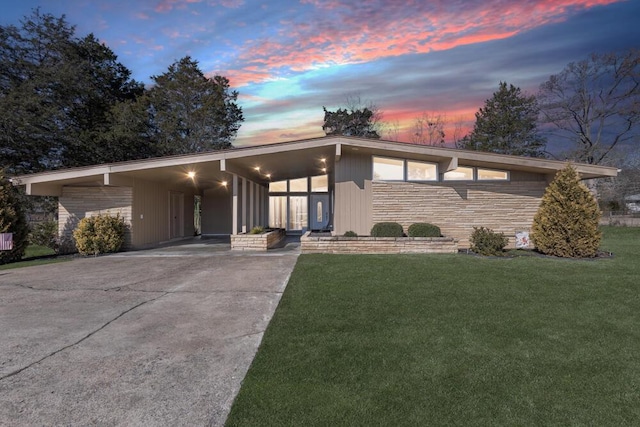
x,y
435,176
404,169
473,175
508,178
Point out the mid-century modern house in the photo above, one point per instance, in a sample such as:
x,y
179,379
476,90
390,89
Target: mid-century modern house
x,y
330,183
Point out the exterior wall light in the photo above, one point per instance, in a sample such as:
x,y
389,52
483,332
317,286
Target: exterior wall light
x,y
191,174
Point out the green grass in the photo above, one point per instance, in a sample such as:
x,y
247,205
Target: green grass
x,y
452,340
31,263
37,250
31,252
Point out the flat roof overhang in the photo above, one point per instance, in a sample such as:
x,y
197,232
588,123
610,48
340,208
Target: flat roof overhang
x,y
275,162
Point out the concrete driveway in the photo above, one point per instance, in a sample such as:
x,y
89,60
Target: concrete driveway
x,y
158,337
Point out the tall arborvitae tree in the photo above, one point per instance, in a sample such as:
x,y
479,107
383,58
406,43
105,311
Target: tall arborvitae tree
x,y
12,220
192,113
507,125
566,224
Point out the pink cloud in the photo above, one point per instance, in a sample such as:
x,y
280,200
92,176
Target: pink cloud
x,y
168,5
343,33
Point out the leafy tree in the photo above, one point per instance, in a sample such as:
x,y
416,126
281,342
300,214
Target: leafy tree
x,y
357,118
56,92
428,129
192,113
594,103
349,123
12,220
507,125
566,224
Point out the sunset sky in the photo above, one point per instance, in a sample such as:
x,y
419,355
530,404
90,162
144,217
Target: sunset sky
x,y
288,59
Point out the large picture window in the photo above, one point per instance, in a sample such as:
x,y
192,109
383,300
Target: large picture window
x,y
386,169
277,211
298,212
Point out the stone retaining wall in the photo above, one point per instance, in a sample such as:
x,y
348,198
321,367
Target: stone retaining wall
x,y
256,242
377,245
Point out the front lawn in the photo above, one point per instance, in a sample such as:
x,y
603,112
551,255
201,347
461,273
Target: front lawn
x,y
452,340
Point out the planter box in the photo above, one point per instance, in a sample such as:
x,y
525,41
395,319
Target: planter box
x,y
256,242
377,245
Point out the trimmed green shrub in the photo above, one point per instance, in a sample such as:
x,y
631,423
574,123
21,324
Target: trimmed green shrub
x,y
45,234
99,234
423,229
387,229
12,220
350,234
566,224
258,229
485,241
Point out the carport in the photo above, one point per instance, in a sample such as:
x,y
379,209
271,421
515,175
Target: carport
x,y
157,197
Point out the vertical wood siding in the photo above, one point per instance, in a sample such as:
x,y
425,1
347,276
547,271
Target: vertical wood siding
x,y
353,194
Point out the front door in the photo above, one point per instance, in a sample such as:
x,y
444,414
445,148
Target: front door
x,y
176,210
319,214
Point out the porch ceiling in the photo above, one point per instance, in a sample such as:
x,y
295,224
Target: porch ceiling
x,y
263,168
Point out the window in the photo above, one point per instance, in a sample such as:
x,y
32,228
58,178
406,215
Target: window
x,y
385,169
277,211
298,185
320,183
298,211
278,187
420,171
492,175
459,174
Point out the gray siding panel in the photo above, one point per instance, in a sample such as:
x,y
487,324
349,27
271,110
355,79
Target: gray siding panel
x,y
353,195
217,210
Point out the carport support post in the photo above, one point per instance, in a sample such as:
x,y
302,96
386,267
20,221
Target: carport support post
x,y
251,210
234,216
244,204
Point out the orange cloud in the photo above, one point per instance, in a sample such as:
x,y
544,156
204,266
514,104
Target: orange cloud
x,y
342,33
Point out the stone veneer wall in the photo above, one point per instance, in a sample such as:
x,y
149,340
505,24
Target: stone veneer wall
x,y
256,242
74,203
457,207
376,245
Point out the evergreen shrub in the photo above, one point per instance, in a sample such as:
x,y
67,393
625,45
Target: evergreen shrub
x,y
566,224
387,229
99,234
12,220
423,229
485,241
350,234
45,234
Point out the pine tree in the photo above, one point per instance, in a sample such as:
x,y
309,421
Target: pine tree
x,y
566,224
12,220
507,124
192,113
